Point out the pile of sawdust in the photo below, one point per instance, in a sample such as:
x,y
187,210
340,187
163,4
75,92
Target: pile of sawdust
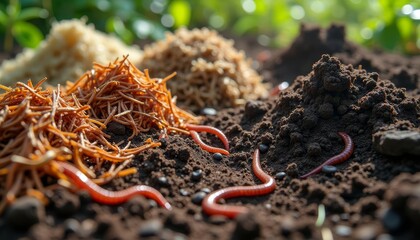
x,y
69,51
210,71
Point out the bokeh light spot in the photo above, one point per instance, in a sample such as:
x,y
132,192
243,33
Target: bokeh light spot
x,y
249,6
157,6
167,20
103,5
407,9
415,14
142,28
366,33
297,12
263,40
216,21
317,6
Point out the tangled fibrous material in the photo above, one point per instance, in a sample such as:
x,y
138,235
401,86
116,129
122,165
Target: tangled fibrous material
x,y
41,128
68,52
210,71
58,133
120,92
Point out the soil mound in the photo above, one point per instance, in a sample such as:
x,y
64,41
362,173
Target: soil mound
x,y
314,41
300,127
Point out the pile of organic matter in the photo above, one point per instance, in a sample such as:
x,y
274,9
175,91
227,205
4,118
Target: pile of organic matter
x,y
70,49
49,134
210,71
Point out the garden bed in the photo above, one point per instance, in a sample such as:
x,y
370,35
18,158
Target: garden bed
x,y
371,195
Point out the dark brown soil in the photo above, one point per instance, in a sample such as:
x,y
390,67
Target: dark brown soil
x,y
371,196
313,41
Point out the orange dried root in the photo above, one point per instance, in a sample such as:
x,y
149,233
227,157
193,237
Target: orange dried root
x,y
40,126
122,93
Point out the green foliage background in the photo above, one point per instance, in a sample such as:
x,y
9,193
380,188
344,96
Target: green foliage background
x,y
387,24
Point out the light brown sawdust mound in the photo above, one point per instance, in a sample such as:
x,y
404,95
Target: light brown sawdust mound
x,y
210,71
69,51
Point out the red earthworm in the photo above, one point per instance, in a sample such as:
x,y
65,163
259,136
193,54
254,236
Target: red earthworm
x,y
212,130
211,207
206,147
275,91
104,196
343,156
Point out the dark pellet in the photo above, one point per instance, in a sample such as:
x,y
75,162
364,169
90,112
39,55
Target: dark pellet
x,y
217,156
280,175
328,169
196,175
198,197
163,142
263,148
391,220
163,181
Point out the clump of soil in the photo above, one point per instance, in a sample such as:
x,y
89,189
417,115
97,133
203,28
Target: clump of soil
x,y
313,41
301,126
210,71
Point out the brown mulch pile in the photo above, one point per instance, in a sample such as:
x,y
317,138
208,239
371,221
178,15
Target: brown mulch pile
x,y
370,196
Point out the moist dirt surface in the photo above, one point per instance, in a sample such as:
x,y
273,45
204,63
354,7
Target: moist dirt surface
x,y
369,196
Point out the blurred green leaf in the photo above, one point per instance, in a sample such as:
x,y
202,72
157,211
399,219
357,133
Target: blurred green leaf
x,y
405,27
387,11
3,18
245,24
181,12
27,34
280,13
261,6
13,9
117,26
389,37
31,13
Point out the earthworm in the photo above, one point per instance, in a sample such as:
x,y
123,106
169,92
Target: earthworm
x,y
206,147
212,130
275,91
201,128
211,207
343,156
104,196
